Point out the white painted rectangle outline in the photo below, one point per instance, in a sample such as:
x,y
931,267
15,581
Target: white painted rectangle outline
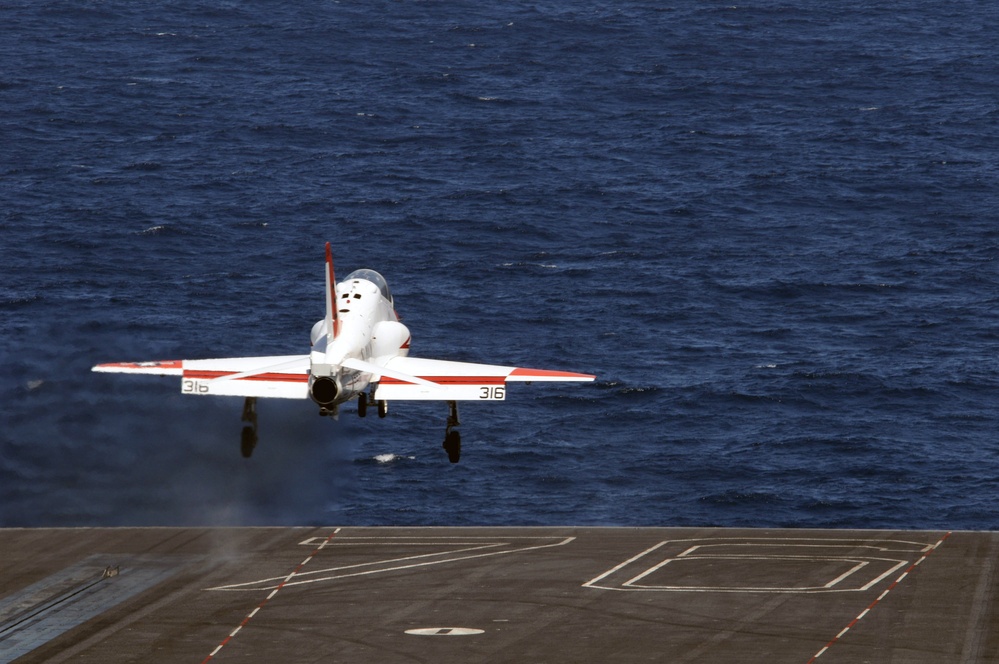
x,y
793,542
860,564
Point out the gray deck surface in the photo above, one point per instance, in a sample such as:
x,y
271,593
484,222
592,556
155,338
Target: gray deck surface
x,y
497,595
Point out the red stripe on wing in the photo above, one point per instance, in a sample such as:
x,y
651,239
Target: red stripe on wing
x,y
545,373
271,377
166,364
450,380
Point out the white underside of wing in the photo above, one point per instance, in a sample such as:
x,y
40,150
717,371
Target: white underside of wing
x,y
460,381
287,377
277,376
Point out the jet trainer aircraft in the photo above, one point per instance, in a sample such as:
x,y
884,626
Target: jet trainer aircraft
x,y
360,351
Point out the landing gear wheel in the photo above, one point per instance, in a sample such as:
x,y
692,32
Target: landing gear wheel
x,y
452,445
248,441
452,437
362,404
382,408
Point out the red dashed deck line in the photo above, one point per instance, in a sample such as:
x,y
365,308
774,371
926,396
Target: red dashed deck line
x,y
875,602
274,592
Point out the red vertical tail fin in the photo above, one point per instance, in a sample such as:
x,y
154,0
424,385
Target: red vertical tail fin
x,y
332,320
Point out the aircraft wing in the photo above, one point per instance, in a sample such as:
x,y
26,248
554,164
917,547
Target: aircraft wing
x,y
459,380
281,376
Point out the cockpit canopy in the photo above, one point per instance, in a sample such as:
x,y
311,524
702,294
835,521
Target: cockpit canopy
x,y
373,277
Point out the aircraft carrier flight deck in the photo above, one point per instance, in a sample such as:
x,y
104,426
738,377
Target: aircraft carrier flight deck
x,y
497,595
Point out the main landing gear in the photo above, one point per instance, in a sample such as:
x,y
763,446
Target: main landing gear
x,y
248,440
452,437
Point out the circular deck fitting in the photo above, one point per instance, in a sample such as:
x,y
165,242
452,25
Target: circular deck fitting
x,y
444,631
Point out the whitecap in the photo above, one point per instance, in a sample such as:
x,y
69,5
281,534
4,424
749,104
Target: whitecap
x,y
389,458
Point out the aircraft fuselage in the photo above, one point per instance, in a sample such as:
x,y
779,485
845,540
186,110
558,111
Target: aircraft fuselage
x,y
366,328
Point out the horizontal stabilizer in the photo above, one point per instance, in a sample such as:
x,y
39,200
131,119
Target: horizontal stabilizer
x,y
385,372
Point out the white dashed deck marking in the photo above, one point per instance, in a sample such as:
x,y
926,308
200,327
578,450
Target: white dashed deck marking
x,y
926,551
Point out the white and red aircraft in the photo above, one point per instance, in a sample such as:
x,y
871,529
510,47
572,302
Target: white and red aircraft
x,y
360,347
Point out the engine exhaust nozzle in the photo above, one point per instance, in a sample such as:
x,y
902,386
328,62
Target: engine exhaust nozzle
x,y
324,390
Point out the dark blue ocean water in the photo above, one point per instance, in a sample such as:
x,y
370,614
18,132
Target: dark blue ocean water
x,y
771,230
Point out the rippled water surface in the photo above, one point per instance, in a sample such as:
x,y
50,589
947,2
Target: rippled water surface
x,y
771,231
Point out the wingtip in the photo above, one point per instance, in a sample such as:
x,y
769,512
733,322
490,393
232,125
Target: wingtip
x,y
523,374
160,367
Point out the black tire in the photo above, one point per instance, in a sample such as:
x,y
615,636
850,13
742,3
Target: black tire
x,y
362,404
248,441
382,408
452,445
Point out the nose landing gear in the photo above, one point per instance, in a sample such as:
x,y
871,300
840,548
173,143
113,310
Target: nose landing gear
x,y
452,437
362,405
